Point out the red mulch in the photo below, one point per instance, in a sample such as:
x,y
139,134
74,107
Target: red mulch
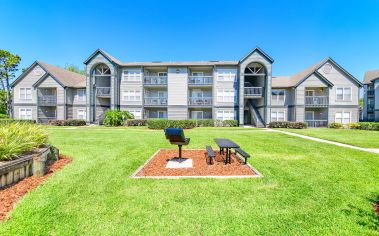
x,y
157,165
10,195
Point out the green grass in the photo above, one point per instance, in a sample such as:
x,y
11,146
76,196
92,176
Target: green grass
x,y
308,188
360,138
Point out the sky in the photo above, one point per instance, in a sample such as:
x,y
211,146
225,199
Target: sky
x,y
296,34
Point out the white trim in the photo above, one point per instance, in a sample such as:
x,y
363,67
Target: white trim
x,y
342,117
84,111
225,115
128,94
343,94
221,97
277,112
25,116
25,97
309,90
277,96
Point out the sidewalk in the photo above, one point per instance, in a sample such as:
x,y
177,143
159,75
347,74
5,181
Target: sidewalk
x,y
372,150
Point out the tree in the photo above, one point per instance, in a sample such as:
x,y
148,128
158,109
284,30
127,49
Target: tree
x,y
3,102
74,68
8,67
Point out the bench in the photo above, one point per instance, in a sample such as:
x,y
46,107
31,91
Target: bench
x,y
209,155
242,153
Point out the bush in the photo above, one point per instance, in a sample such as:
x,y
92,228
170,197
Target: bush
x,y
369,125
116,117
205,123
3,116
10,121
288,125
56,122
188,124
67,122
229,123
354,126
19,137
136,122
335,125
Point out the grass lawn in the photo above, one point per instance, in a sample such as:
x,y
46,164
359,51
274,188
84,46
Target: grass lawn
x,y
308,188
360,138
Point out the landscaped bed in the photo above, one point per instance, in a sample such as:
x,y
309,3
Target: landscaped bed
x,y
156,166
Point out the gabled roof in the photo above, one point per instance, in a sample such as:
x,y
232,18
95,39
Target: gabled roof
x,y
296,79
106,55
370,76
260,51
64,77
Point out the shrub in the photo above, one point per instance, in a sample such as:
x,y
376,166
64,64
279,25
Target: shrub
x,y
10,121
19,137
74,123
205,123
116,117
229,123
188,124
369,125
136,122
335,125
56,122
3,116
353,126
288,124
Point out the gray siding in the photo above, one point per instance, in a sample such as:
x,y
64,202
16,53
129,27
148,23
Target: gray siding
x,y
177,93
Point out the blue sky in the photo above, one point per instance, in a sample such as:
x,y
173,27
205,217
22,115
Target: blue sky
x,y
295,33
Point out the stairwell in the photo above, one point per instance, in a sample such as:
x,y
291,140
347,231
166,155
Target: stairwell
x,y
256,116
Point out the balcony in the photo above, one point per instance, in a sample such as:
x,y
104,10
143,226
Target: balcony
x,y
370,107
200,101
47,100
317,123
316,101
155,80
155,101
104,92
370,92
253,92
200,80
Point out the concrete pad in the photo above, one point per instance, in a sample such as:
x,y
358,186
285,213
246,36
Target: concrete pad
x,y
179,163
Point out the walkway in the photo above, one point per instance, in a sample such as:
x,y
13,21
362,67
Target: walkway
x,y
373,150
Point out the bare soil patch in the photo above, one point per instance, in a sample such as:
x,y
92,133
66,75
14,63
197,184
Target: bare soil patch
x,y
156,167
10,195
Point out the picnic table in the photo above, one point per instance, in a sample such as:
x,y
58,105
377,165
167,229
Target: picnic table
x,y
227,144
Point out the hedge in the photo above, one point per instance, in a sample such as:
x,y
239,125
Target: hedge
x,y
369,126
359,125
67,122
11,121
288,124
136,122
335,125
188,124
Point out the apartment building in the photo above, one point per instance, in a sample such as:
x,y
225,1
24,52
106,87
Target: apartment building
x,y
371,96
244,90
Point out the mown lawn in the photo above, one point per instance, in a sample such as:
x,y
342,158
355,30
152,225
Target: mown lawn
x,y
360,138
308,188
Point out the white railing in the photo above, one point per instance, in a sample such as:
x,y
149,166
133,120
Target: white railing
x,y
200,80
47,100
155,100
154,80
103,91
253,91
316,100
204,101
317,123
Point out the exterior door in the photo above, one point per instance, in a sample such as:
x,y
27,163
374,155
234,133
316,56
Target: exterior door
x,y
309,115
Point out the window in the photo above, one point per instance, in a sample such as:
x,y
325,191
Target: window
x,y
309,93
137,113
197,115
277,116
82,114
226,76
25,114
81,93
342,117
132,95
225,115
343,94
225,95
163,74
132,76
26,93
278,95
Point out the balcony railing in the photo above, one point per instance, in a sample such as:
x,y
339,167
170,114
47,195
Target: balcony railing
x,y
370,107
200,80
370,92
154,80
103,91
317,123
47,100
316,101
204,101
253,91
159,101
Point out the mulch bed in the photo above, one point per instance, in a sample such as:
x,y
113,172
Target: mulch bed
x,y
157,165
10,195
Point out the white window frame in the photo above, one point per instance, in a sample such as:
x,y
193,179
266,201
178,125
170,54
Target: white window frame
x,y
225,115
25,116
277,115
84,111
342,117
135,112
131,76
226,76
344,99
226,95
26,94
81,98
132,96
309,90
276,97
